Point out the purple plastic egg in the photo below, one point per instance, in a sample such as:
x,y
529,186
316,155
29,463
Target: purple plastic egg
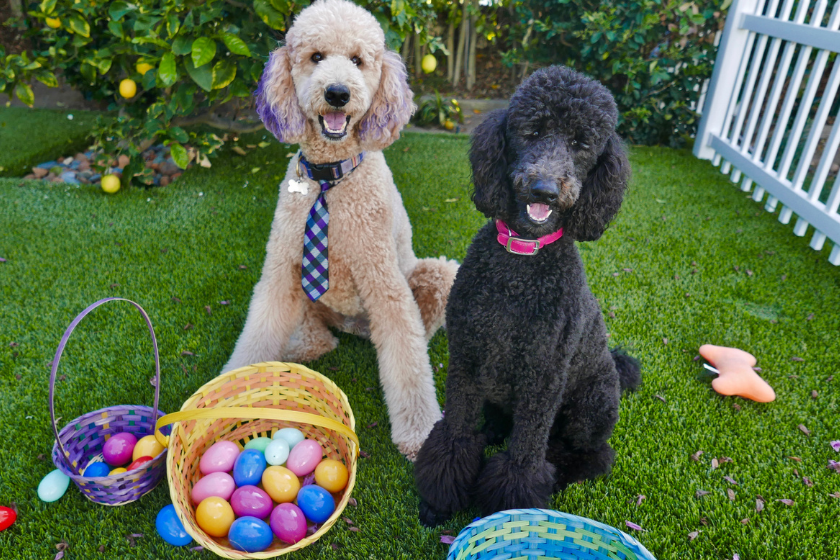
x,y
304,457
118,449
218,484
251,501
219,458
288,523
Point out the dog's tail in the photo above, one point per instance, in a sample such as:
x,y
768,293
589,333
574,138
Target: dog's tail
x,y
629,369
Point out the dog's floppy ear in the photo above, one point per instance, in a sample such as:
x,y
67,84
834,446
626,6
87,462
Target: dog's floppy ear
x,y
392,105
492,193
276,100
601,194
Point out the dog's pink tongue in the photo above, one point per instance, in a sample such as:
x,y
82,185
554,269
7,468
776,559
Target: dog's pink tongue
x,y
335,121
539,211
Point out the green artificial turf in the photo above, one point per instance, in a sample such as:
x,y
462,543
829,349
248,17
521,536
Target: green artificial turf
x,y
690,260
29,137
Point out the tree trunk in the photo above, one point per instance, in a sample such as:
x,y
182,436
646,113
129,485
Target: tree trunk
x,y
450,46
462,38
473,41
418,59
17,8
405,49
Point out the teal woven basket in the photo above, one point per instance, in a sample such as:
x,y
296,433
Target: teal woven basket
x,y
526,534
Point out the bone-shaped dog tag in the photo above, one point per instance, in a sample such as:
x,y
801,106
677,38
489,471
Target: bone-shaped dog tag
x,y
298,187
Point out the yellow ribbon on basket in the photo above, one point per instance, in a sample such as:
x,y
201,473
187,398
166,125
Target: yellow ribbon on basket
x,y
247,413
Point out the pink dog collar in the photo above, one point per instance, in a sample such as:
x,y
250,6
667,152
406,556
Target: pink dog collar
x,y
508,238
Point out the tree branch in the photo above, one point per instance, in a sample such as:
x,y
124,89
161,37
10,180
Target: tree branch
x,y
210,118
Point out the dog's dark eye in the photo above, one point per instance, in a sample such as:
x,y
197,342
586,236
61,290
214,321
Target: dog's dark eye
x,y
317,57
535,134
356,60
573,143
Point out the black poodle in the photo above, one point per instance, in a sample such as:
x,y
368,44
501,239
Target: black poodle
x,y
527,342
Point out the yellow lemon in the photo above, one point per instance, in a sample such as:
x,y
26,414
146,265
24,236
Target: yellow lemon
x,y
110,184
53,22
448,124
429,63
128,88
143,67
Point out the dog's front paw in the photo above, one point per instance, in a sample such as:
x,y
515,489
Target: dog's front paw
x,y
430,517
506,484
410,451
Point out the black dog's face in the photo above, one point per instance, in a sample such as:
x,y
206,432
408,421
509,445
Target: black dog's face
x,y
548,144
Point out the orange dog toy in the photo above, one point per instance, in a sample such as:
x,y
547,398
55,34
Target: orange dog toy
x,y
736,374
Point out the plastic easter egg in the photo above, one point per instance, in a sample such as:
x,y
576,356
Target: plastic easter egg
x,y
138,463
251,501
248,468
316,503
214,515
277,452
170,528
118,470
146,446
288,523
96,469
219,458
118,449
331,475
281,484
304,457
53,486
7,517
259,443
219,484
293,436
250,534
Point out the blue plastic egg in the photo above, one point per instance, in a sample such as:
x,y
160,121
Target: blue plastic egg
x,y
250,534
316,503
53,486
248,468
170,528
97,469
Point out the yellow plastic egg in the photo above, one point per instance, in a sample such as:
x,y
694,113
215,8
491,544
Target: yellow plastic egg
x,y
146,447
281,484
331,475
117,471
215,516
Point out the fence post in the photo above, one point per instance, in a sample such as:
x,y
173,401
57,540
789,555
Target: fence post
x,y
727,64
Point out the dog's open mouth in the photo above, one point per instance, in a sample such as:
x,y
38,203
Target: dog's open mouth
x,y
334,125
538,212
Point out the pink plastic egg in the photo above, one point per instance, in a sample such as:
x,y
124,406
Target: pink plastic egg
x,y
304,457
219,458
219,484
118,449
288,523
251,501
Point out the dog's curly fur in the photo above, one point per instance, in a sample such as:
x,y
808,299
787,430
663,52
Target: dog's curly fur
x,y
377,285
527,341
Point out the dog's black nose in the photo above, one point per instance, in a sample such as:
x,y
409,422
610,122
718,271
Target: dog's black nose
x,y
337,95
545,191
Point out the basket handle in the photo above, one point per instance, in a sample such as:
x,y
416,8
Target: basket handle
x,y
249,413
58,352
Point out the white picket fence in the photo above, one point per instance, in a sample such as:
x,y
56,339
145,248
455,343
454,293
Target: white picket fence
x,y
744,125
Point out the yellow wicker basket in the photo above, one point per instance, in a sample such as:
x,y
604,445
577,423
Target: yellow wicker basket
x,y
247,403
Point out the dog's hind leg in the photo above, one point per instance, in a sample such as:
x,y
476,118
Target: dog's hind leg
x,y
430,281
450,460
577,465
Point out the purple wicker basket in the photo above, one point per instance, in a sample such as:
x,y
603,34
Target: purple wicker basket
x,y
80,441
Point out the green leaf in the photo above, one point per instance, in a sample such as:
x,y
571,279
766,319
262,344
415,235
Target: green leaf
x,y
25,94
116,29
223,74
203,51
118,9
182,45
179,155
202,76
235,44
48,6
269,15
145,22
240,89
167,70
88,72
78,25
281,6
104,64
153,40
47,78
179,134
173,24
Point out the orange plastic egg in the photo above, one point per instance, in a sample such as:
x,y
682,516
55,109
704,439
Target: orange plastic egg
x,y
331,475
215,516
281,484
146,447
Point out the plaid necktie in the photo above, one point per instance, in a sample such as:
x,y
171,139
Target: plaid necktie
x,y
315,273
